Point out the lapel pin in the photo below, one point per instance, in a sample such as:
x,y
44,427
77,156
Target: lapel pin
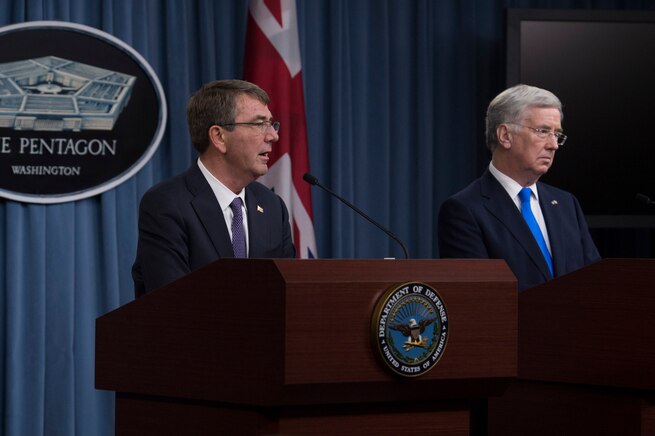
x,y
554,202
260,209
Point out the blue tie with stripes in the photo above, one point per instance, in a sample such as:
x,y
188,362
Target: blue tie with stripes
x,y
528,216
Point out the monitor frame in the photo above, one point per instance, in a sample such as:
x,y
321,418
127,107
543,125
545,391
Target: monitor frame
x,y
514,20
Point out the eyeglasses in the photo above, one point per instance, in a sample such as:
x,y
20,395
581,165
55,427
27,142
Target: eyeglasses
x,y
262,125
546,133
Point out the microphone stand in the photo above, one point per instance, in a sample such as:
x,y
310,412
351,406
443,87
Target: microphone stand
x,y
314,181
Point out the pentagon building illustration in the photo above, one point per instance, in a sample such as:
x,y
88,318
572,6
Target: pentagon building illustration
x,y
55,94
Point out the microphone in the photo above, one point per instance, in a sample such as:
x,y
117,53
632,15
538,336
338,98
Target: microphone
x,y
644,199
314,181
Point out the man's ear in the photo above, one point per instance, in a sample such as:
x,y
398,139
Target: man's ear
x,y
217,138
504,136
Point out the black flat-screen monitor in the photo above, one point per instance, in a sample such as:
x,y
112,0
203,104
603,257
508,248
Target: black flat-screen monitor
x,y
601,64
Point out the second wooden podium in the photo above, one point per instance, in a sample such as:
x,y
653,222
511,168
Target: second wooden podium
x,y
287,347
586,355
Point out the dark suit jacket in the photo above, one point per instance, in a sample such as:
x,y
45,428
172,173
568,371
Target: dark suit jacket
x,y
483,222
182,228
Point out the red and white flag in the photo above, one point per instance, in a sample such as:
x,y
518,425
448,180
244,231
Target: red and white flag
x,y
272,61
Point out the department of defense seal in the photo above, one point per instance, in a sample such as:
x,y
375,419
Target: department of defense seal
x,y
410,328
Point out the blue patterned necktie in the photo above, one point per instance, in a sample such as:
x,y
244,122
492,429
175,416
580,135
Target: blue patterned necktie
x,y
528,216
238,233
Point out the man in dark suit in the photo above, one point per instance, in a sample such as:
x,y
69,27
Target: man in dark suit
x,y
216,209
488,218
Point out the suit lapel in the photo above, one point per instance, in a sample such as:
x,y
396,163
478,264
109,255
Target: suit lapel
x,y
551,209
209,212
256,224
500,205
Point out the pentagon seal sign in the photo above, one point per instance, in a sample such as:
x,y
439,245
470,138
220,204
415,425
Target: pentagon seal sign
x,y
80,112
410,329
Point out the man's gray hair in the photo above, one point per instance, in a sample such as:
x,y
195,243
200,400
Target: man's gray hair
x,y
510,106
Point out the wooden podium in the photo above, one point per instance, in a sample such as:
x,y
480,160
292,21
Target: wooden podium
x,y
586,355
286,347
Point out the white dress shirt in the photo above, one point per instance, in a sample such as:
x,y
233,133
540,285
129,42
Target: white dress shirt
x,y
513,188
225,197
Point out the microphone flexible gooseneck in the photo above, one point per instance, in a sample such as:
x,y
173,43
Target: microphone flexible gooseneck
x,y
644,199
314,181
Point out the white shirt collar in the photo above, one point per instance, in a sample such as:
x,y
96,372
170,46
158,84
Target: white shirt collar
x,y
223,194
510,185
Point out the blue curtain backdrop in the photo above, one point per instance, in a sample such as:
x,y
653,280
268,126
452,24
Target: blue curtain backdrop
x,y
395,95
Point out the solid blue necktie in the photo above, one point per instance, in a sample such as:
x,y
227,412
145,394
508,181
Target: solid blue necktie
x,y
528,216
238,233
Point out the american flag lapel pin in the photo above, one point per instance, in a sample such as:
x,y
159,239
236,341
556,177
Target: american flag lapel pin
x,y
260,209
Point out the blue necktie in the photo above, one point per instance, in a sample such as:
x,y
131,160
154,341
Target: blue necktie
x,y
238,233
528,216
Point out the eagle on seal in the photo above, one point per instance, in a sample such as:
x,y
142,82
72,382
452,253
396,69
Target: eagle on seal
x,y
413,330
